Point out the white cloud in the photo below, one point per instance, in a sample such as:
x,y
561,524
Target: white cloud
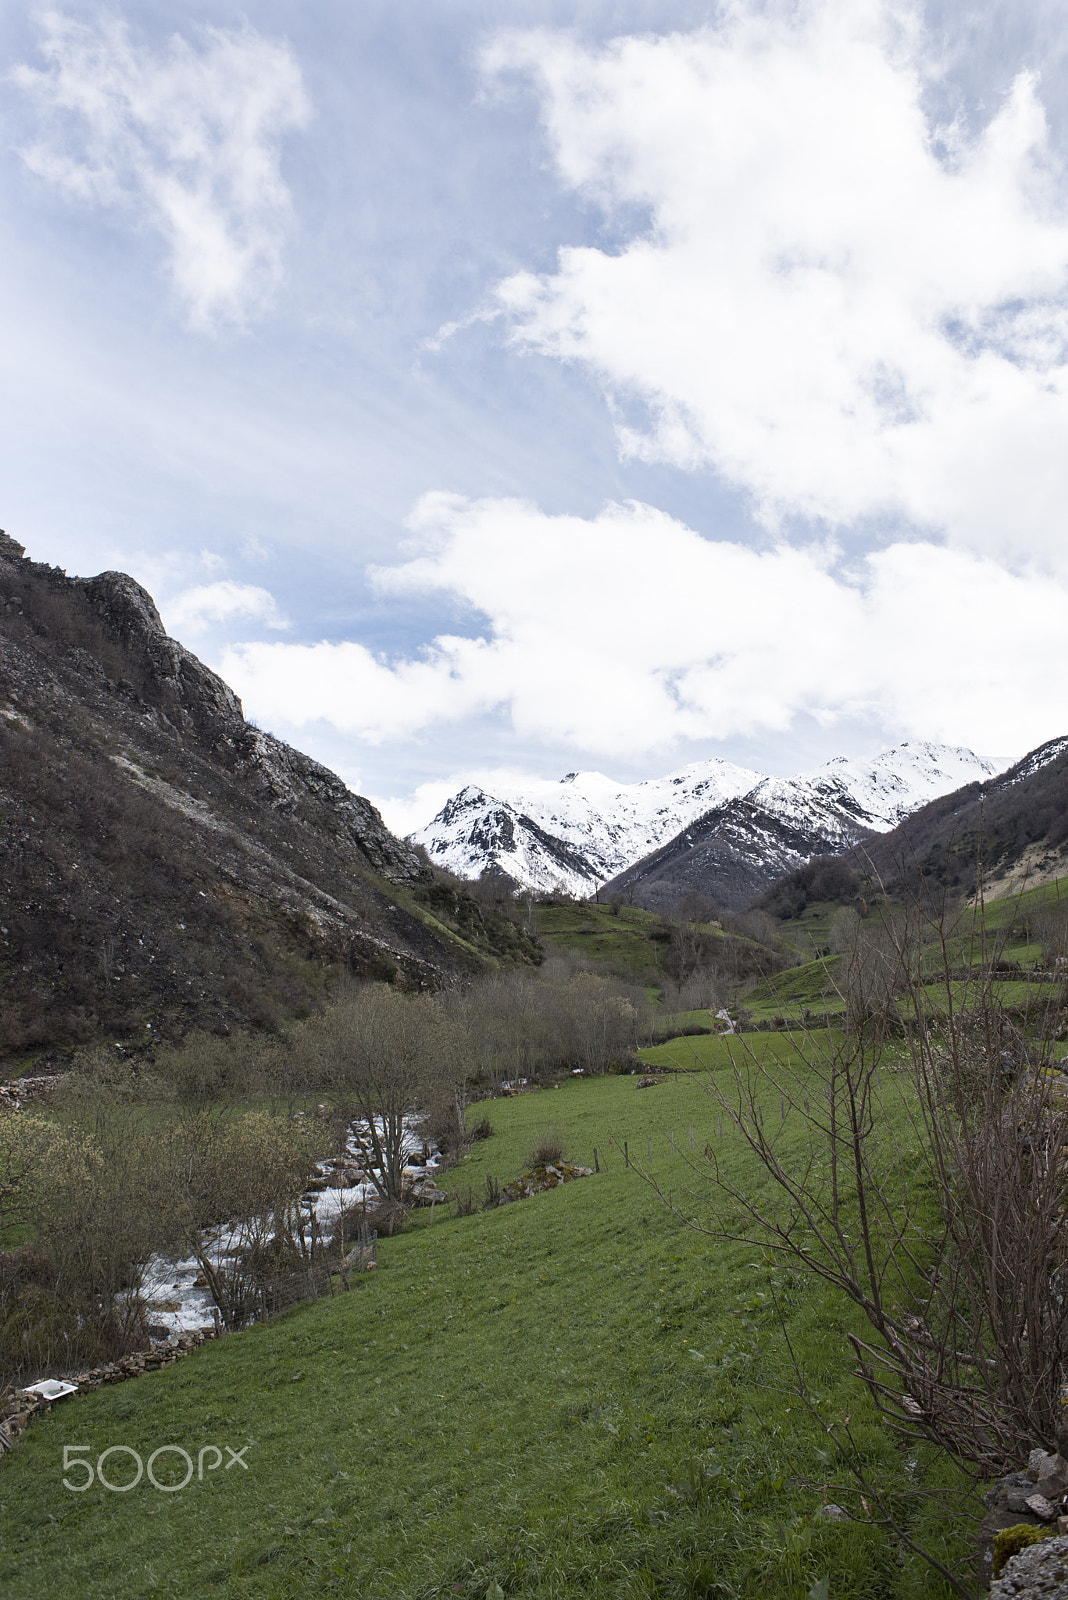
x,y
185,139
194,610
845,311
623,634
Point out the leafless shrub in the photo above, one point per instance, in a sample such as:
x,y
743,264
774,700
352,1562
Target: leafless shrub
x,y
242,1174
87,1200
548,1149
526,1024
445,1125
207,1067
388,1217
1049,928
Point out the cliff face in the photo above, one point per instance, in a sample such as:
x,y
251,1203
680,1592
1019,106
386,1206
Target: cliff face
x,y
163,863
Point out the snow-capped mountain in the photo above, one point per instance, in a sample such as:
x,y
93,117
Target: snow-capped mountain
x,y
878,793
737,850
585,831
576,833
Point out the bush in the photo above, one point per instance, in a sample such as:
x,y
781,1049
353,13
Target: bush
x,y
957,1227
388,1217
548,1150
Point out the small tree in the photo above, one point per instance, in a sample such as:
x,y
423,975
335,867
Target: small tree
x,y
243,1175
386,1056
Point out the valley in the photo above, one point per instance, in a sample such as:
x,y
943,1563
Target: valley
x,y
551,1397
223,963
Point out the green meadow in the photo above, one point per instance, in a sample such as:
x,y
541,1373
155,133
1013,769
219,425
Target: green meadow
x,y
621,938
1007,931
576,1394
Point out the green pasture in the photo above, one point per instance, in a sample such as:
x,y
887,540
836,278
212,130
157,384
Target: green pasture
x,y
620,937
811,987
575,1395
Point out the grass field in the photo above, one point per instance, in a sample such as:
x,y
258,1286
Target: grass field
x,y
620,939
573,1395
1004,931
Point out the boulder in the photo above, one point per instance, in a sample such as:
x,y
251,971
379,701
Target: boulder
x,y
1040,1573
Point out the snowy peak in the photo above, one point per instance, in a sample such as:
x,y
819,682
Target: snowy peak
x,y
876,794
1036,759
578,832
907,776
733,853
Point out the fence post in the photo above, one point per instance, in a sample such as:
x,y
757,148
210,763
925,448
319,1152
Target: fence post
x,y
626,1154
596,1163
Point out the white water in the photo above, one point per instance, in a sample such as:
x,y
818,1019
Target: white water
x,y
170,1283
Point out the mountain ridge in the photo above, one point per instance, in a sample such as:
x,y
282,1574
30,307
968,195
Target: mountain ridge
x,y
579,843
1011,830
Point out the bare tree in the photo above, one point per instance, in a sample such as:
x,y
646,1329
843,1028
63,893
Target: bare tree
x,y
231,1185
386,1056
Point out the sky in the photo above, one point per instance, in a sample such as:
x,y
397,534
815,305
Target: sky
x,y
492,391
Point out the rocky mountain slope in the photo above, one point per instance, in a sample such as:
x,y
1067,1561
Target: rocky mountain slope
x,y
1017,821
712,828
163,863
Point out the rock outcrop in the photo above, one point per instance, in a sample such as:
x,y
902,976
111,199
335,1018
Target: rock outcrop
x,y
1038,1573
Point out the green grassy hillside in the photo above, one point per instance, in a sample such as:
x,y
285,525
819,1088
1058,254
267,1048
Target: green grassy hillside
x,y
628,941
1018,930
573,1395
